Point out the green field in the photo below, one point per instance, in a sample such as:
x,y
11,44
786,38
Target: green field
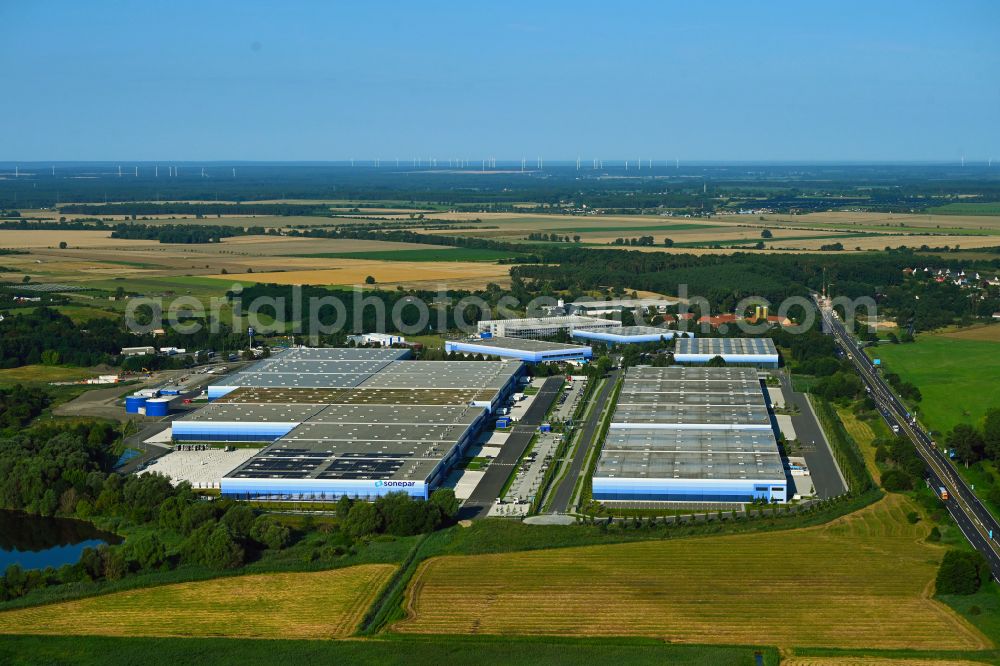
x,y
430,254
992,208
411,651
179,284
957,378
44,374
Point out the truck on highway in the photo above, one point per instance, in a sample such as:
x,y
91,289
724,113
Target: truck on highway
x,y
943,493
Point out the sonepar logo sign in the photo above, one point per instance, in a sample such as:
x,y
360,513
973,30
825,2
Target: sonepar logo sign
x,y
395,484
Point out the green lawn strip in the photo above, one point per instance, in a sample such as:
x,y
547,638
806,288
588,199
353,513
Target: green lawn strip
x,y
984,656
383,651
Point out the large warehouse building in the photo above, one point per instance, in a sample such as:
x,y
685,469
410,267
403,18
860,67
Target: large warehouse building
x,y
522,349
542,327
626,335
681,434
758,352
348,421
311,368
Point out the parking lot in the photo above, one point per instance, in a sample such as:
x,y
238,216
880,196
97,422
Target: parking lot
x,y
567,403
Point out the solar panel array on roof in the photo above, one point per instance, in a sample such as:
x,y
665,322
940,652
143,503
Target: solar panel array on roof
x,y
727,346
351,421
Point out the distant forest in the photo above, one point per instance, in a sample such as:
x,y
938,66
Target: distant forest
x,y
696,189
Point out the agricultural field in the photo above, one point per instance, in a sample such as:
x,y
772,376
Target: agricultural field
x,y
425,253
422,274
861,581
316,605
887,222
150,267
948,367
383,650
791,233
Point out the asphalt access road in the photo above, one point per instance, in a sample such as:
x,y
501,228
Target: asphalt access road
x,y
815,449
489,487
564,493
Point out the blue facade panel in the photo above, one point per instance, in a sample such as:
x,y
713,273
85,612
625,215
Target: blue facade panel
x,y
318,489
223,431
689,490
581,354
616,339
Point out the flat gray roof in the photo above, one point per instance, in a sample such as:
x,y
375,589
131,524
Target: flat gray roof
x,y
415,415
253,413
735,416
717,398
445,374
685,374
674,465
692,441
691,423
294,380
727,346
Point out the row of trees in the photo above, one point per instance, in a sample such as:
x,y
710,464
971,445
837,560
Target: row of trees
x,y
972,444
398,514
19,405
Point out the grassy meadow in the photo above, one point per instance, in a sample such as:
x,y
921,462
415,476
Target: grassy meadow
x,y
956,373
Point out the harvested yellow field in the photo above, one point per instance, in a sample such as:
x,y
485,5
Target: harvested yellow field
x,y
26,240
987,333
315,605
354,271
844,219
862,581
864,436
894,241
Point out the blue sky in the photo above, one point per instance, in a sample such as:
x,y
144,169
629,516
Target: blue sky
x,y
742,80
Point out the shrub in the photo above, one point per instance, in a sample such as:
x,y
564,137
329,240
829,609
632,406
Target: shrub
x,y
961,572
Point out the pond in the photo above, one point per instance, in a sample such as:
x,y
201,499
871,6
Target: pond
x,y
36,542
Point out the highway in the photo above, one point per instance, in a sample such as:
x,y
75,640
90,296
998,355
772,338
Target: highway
x,y
977,524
